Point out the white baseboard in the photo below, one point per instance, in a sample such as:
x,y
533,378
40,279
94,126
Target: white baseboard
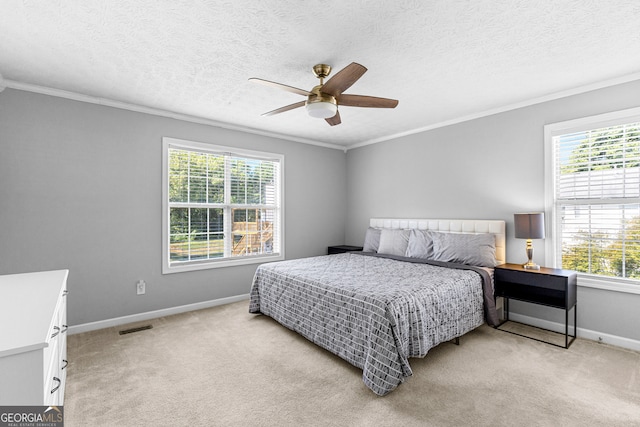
x,y
582,333
101,324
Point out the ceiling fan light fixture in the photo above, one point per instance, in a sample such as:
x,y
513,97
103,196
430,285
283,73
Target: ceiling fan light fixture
x,y
321,105
322,109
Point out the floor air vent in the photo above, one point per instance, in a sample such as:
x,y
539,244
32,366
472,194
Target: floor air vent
x,y
138,329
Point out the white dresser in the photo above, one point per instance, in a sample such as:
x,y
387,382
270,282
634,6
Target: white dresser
x,y
33,339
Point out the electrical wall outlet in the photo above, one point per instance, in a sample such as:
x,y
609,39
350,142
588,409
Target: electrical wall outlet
x,y
141,287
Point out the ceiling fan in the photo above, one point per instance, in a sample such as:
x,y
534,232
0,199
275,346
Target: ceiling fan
x,y
323,100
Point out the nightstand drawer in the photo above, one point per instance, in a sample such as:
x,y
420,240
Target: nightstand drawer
x,y
526,278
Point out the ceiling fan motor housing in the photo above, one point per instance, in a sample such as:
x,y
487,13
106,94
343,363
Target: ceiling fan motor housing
x,y
320,104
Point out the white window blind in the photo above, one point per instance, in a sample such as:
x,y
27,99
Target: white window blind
x,y
222,207
597,200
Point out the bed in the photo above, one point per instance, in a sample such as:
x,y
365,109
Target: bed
x,y
418,283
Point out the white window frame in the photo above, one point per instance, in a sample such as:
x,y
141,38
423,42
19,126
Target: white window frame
x,y
551,243
167,266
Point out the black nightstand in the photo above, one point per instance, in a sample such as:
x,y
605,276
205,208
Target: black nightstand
x,y
342,249
547,286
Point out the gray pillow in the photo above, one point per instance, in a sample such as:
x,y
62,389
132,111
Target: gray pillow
x,y
393,242
371,240
471,249
420,244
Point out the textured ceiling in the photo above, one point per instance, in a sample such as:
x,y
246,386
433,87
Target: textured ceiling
x,y
442,59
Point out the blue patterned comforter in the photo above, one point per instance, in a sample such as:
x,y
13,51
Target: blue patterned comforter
x,y
374,311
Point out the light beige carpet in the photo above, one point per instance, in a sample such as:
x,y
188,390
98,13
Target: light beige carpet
x,y
225,367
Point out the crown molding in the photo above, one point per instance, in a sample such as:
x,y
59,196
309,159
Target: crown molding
x,y
4,83
551,97
13,84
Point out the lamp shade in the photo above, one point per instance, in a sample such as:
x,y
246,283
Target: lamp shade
x,y
529,225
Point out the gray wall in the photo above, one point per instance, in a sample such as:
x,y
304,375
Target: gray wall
x,y
486,168
80,188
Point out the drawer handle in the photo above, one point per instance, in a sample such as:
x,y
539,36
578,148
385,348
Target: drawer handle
x,y
57,331
58,386
66,363
65,292
64,329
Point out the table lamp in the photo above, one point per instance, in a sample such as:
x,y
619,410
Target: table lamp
x,y
529,226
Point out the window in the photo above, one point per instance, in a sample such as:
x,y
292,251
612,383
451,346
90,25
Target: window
x,y
593,197
221,206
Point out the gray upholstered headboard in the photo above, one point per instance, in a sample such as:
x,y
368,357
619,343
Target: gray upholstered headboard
x,y
473,226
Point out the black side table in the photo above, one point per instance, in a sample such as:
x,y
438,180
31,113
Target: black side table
x,y
340,249
548,286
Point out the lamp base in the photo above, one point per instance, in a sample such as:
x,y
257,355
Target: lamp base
x,y
531,266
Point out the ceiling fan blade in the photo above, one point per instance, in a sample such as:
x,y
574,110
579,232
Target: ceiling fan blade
x,y
343,80
335,120
366,101
281,86
285,108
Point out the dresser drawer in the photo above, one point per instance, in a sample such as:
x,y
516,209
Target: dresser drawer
x,y
52,373
33,351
